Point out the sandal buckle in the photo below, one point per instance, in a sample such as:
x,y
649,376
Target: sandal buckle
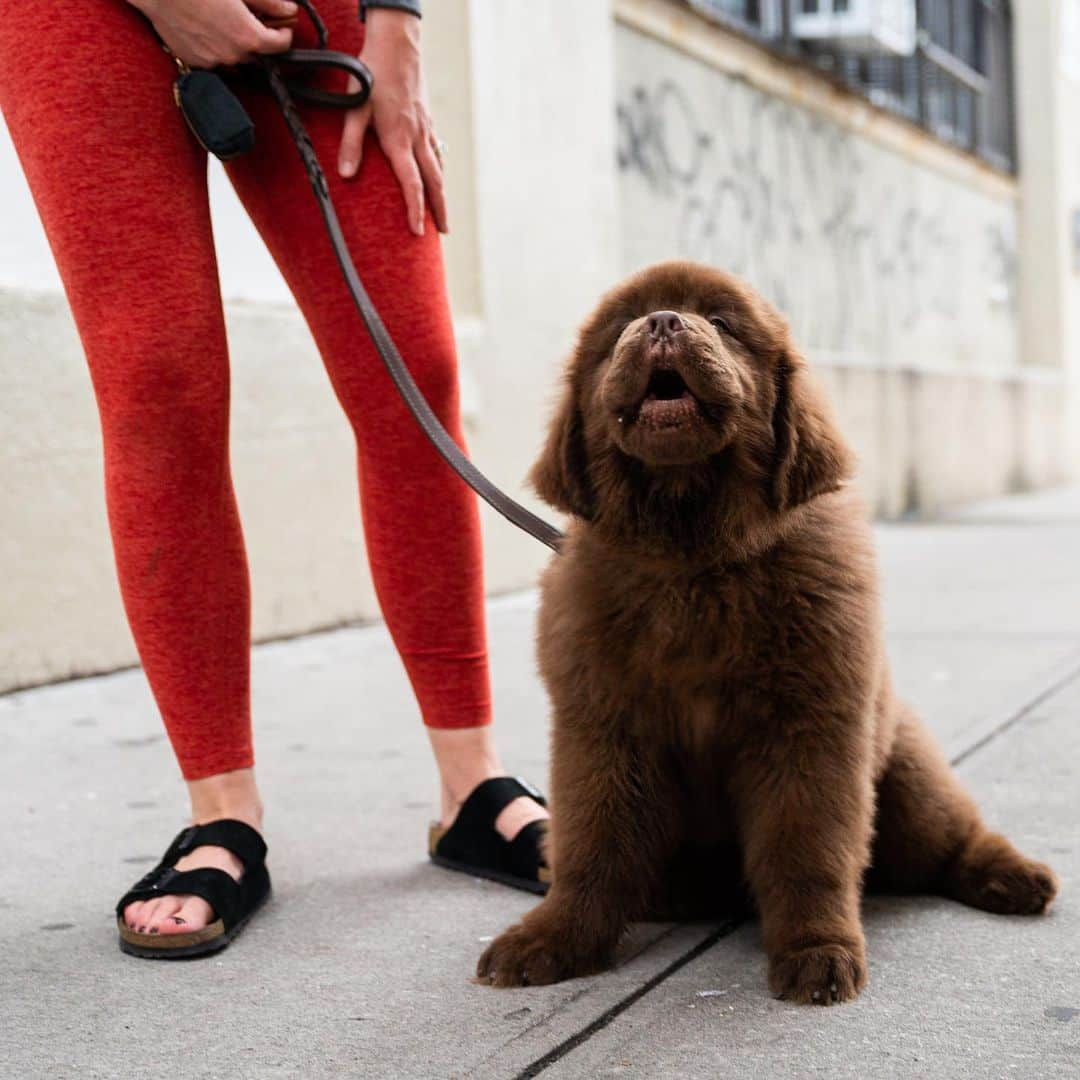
x,y
536,795
163,879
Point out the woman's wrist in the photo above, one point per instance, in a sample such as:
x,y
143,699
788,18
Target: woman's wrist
x,y
392,28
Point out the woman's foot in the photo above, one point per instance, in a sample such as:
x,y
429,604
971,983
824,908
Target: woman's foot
x,y
465,758
227,795
472,845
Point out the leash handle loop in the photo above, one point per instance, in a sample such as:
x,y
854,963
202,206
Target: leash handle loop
x,y
327,58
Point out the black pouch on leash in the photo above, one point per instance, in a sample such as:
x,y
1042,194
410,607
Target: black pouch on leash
x,y
214,114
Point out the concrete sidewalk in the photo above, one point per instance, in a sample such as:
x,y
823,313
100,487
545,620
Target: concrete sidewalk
x,y
361,966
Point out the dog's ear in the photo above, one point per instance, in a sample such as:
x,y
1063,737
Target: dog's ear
x,y
810,457
561,473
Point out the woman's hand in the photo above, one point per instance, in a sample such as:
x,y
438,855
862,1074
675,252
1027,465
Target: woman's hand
x,y
207,33
399,112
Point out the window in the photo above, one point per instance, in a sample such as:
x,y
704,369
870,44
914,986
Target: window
x,y
958,85
758,16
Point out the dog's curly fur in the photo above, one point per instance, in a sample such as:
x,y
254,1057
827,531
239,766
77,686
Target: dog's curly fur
x,y
725,730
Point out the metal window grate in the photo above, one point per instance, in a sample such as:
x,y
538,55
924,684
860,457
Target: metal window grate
x,y
958,85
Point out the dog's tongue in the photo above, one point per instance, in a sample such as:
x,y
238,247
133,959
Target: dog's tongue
x,y
667,412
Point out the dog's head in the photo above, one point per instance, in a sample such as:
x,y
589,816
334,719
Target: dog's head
x,y
685,393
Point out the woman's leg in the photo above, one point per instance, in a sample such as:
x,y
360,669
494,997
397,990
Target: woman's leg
x,y
121,189
421,522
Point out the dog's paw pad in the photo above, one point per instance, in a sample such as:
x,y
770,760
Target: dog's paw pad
x,y
821,975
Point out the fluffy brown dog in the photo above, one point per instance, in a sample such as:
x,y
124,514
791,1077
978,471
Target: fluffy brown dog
x,y
710,637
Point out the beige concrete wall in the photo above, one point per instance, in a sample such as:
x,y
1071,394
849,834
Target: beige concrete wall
x,y
872,253
894,257
927,440
1068,139
1048,88
293,460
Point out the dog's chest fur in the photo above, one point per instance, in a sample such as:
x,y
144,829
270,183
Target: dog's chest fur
x,y
701,650
669,641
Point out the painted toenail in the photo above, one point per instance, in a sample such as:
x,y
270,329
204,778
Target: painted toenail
x,y
153,930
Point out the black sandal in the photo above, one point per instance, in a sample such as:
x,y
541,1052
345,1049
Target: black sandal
x,y
472,844
234,902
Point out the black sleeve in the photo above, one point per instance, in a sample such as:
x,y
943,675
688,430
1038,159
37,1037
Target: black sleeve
x,y
411,6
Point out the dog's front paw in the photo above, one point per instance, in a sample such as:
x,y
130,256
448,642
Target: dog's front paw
x,y
524,956
820,975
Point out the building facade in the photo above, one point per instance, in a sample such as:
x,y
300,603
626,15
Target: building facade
x,y
916,215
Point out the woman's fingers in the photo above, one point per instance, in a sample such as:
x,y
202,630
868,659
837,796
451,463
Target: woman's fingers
x,y
352,136
275,9
417,168
270,40
431,170
257,38
402,159
224,32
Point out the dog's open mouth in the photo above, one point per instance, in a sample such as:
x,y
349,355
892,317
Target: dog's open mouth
x,y
668,401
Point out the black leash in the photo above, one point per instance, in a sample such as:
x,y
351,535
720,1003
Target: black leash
x,y
510,509
285,88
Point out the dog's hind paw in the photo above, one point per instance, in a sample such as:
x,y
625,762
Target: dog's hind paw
x,y
525,957
1008,885
821,975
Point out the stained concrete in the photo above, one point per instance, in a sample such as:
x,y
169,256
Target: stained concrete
x,y
361,966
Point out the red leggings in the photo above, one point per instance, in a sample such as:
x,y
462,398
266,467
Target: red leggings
x,y
121,188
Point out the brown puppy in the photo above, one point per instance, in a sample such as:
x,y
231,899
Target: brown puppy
x,y
712,645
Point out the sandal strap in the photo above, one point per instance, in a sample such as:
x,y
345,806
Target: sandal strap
x,y
473,838
488,800
526,855
217,888
234,836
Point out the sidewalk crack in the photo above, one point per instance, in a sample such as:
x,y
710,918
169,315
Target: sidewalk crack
x,y
1011,721
605,1018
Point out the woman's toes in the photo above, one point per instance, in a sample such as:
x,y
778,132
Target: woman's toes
x,y
146,916
164,909
138,913
132,913
193,914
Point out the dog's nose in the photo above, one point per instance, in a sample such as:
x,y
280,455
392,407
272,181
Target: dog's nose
x,y
663,324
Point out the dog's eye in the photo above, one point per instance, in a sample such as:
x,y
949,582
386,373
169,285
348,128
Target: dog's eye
x,y
720,323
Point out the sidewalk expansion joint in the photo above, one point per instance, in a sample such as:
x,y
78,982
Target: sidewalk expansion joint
x,y
605,1018
1011,721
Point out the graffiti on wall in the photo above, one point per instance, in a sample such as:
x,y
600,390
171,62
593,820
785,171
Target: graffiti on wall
x,y
866,251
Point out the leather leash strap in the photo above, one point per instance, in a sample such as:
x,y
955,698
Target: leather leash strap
x,y
513,511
